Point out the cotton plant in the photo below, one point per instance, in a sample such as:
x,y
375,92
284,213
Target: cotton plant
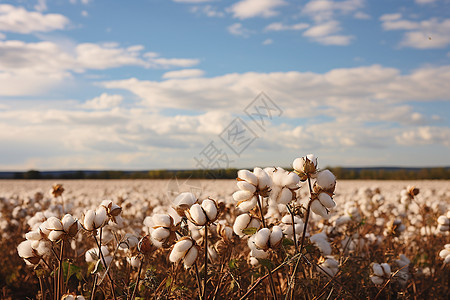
x,y
329,266
445,254
444,223
381,273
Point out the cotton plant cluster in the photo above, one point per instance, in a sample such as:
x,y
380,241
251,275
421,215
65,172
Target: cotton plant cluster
x,y
147,242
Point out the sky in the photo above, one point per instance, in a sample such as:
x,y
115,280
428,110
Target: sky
x,y
180,84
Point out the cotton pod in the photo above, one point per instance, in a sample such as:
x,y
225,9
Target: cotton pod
x,y
326,181
378,270
245,206
135,261
245,221
443,223
196,215
261,238
276,236
264,181
246,186
284,196
70,225
101,217
326,200
129,241
241,196
305,166
288,230
88,221
255,251
26,252
290,180
210,208
183,201
319,209
329,267
93,254
184,249
321,241
246,175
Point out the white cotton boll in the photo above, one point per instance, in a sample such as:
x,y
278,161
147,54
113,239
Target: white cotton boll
x,y
254,261
183,245
185,198
386,268
33,235
312,158
326,180
326,200
248,176
135,262
241,222
325,270
242,196
331,263
54,223
444,253
88,221
254,223
161,220
342,220
324,247
55,235
264,180
278,177
190,257
100,217
291,180
68,297
24,249
254,251
262,238
443,220
247,205
43,247
176,256
319,209
160,234
210,208
246,186
197,214
67,222
285,196
377,280
447,260
119,221
298,164
276,236
378,270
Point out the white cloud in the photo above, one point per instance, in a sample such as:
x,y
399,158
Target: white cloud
x,y
208,10
361,16
41,5
323,29
84,13
426,34
19,20
191,1
425,1
245,9
277,26
104,101
323,10
28,68
267,42
425,135
187,73
239,30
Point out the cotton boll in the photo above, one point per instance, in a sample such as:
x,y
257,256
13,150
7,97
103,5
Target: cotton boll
x,y
190,257
197,215
290,180
326,180
261,238
276,236
161,220
241,222
377,280
242,196
100,217
326,200
248,176
248,205
285,196
185,198
264,180
54,223
378,270
88,221
319,209
210,208
160,234
246,186
135,262
55,235
183,245
386,268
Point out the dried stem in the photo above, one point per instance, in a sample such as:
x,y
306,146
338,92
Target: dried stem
x,y
200,295
205,267
272,285
138,278
293,227
59,286
105,265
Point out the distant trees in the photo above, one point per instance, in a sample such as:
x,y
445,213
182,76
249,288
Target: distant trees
x,y
230,173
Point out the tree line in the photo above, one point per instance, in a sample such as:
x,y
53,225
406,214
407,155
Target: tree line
x,y
230,173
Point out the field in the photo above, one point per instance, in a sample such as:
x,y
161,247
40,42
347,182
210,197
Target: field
x,y
382,240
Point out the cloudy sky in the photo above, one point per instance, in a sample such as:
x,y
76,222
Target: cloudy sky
x,y
145,84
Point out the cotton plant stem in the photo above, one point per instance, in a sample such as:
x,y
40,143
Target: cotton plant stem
x,y
137,279
104,265
308,211
272,285
205,277
200,295
59,286
293,227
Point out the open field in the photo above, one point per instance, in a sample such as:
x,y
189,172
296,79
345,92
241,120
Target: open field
x,y
372,222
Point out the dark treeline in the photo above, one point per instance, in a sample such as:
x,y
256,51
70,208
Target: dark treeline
x,y
340,172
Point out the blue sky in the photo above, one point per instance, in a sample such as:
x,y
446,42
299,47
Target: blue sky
x,y
90,84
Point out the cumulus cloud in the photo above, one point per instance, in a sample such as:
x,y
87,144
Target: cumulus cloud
x,y
277,26
267,42
425,34
323,10
245,9
208,10
27,68
104,101
187,73
239,30
425,135
19,20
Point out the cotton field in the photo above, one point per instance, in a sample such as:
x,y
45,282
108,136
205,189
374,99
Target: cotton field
x,y
270,234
